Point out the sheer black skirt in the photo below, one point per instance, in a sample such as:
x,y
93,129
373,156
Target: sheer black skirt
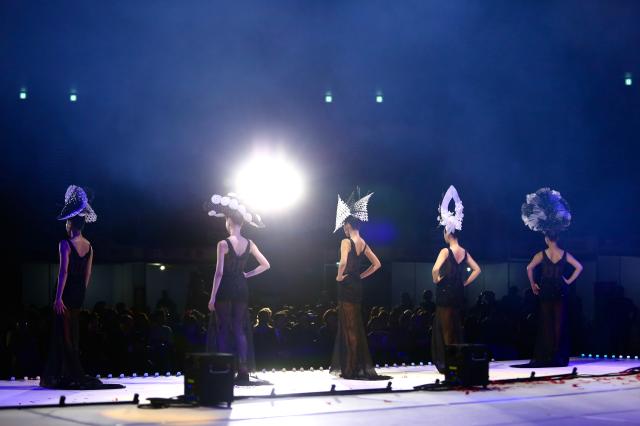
x,y
552,343
446,330
351,357
230,331
63,368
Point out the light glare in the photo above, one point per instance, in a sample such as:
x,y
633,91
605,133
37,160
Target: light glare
x,y
269,182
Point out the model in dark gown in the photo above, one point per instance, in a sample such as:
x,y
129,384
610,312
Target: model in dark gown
x,y
552,343
451,277
63,369
351,357
229,326
546,211
447,323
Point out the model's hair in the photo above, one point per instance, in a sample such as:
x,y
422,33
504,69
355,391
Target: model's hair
x,y
236,218
552,236
353,222
77,222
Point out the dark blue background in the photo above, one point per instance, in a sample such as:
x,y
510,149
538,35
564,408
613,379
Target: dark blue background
x,y
497,97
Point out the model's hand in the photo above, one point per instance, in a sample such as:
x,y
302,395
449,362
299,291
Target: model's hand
x,y
566,281
246,274
535,288
341,278
212,305
59,307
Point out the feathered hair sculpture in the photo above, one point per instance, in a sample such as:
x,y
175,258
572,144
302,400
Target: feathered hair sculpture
x,y
546,211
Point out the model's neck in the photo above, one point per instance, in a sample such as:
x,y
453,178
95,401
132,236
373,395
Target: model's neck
x,y
234,231
354,234
75,234
454,244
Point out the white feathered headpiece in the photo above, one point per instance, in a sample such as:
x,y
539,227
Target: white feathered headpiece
x,y
357,209
452,222
223,206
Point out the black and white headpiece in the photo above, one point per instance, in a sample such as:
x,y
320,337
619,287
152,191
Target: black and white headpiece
x,y
356,207
226,205
76,203
546,211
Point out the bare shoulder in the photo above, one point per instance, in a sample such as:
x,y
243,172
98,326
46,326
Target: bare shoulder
x,y
222,245
444,252
64,245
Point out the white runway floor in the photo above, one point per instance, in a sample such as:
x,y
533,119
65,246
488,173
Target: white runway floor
x,y
577,401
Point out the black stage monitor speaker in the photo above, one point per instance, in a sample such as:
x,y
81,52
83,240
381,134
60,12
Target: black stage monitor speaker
x,y
208,378
466,365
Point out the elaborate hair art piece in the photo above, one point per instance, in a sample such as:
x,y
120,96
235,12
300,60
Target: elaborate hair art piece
x,y
76,203
546,211
355,206
452,221
224,206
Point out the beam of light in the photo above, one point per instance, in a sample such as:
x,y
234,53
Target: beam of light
x,y
23,94
628,79
73,97
328,97
269,182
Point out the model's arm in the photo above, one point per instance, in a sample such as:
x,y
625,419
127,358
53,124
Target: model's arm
x,y
435,272
58,304
345,247
217,277
375,263
475,270
577,269
87,272
263,263
537,259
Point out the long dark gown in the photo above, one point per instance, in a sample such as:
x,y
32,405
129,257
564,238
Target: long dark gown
x,y
229,326
552,344
63,369
351,357
447,324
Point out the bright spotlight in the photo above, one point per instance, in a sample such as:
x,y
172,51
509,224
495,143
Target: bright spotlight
x,y
628,79
328,97
379,98
23,94
162,267
73,97
269,182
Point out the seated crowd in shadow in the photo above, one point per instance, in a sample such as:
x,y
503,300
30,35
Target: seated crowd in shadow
x,y
124,340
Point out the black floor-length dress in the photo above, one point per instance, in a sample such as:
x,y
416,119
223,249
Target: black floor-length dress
x,y
447,323
351,357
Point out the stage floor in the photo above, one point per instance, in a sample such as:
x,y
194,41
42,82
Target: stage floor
x,y
580,400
